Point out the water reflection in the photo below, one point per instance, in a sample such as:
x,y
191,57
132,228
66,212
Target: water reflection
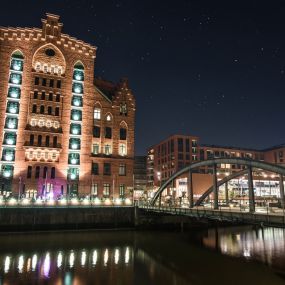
x,y
263,244
137,258
63,266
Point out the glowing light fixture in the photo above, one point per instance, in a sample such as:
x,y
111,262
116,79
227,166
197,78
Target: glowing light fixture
x,y
25,201
128,201
7,173
97,201
74,201
107,201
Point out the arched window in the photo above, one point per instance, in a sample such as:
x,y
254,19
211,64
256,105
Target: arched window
x,y
108,118
37,173
57,98
123,134
50,96
54,141
42,109
47,140
32,139
56,113
34,110
45,172
49,110
29,172
52,173
40,140
97,113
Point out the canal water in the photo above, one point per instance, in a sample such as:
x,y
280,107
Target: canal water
x,y
238,255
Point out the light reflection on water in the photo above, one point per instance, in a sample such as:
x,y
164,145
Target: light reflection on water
x,y
65,266
263,244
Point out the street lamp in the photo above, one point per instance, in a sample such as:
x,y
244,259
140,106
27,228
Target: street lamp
x,y
158,173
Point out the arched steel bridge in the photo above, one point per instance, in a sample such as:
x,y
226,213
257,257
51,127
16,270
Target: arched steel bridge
x,y
248,163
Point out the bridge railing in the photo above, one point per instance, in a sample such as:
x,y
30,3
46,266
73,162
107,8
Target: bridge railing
x,y
229,215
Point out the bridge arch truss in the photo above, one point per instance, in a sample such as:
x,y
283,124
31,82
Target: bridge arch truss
x,y
249,166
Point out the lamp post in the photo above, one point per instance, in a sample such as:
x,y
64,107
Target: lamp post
x,y
19,193
158,174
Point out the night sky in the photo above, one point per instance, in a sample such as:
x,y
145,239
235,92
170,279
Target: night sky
x,y
214,69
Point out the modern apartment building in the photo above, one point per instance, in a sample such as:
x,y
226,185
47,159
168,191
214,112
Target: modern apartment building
x,y
178,151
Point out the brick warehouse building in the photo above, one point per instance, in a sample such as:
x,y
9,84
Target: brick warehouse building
x,y
63,132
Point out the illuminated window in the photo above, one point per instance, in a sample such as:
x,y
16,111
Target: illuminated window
x,y
15,78
16,64
11,123
73,158
14,92
122,149
123,109
75,129
74,143
106,189
108,118
122,190
97,113
12,107
94,189
96,148
38,67
8,154
77,88
10,138
122,169
77,101
107,149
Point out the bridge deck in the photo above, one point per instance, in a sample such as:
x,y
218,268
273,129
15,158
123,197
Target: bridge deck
x,y
226,214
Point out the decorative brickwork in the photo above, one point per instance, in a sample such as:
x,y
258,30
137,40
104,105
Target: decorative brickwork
x,y
66,120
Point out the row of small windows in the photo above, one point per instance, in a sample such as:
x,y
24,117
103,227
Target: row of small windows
x,y
48,111
52,83
38,172
40,141
43,96
107,169
98,115
108,133
107,149
107,190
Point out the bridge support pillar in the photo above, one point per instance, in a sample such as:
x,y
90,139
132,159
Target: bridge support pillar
x,y
250,190
190,189
281,186
215,188
227,192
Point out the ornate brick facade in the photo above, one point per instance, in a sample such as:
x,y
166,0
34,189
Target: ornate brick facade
x,y
63,132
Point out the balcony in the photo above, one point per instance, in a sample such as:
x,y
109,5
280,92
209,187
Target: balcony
x,y
35,145
43,129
